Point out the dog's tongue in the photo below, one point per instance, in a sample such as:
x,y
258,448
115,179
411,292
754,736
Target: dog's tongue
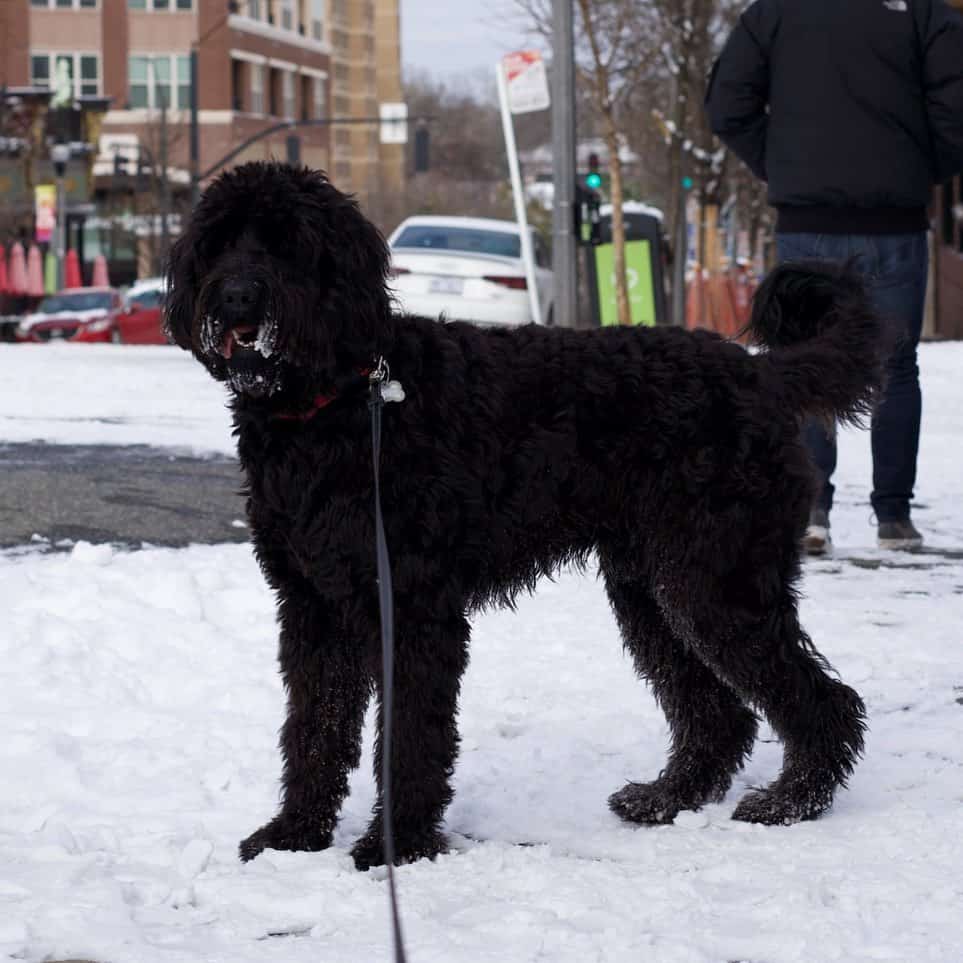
x,y
230,339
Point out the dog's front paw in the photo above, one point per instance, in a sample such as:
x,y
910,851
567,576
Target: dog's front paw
x,y
284,833
650,803
369,850
784,803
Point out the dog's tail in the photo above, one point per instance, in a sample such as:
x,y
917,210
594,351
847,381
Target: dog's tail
x,y
825,340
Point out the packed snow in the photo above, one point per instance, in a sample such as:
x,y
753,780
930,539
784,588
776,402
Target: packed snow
x,y
141,705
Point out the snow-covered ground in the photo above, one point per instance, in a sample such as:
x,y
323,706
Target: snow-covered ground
x,y
140,705
88,394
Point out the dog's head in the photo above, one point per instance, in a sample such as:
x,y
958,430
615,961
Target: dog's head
x,y
279,283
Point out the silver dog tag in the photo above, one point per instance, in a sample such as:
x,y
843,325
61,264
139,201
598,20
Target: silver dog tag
x,y
392,391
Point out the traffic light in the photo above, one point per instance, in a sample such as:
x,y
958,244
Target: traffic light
x,y
593,179
588,220
422,146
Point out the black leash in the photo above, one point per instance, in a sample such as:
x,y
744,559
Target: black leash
x,y
383,390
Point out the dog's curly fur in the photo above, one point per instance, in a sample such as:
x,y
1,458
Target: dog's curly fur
x,y
673,456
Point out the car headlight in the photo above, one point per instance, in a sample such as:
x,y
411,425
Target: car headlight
x,y
24,327
95,327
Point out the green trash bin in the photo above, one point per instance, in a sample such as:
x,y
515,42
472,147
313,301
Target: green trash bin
x,y
643,266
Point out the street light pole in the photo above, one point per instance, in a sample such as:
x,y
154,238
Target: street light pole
x,y
165,190
60,154
195,135
564,243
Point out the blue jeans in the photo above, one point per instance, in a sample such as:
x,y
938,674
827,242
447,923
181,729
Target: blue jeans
x,y
895,268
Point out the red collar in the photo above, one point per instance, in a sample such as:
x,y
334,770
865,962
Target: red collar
x,y
320,401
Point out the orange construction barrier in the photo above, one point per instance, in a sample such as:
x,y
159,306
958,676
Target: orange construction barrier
x,y
722,303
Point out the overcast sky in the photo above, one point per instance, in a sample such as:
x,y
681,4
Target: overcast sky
x,y
452,37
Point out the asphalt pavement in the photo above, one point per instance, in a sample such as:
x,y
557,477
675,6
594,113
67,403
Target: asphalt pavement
x,y
56,495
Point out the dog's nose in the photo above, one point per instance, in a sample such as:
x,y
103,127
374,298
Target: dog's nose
x,y
241,300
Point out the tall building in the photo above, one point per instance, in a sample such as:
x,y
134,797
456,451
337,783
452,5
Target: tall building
x,y
366,72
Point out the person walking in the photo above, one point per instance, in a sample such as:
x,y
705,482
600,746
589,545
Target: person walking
x,y
851,110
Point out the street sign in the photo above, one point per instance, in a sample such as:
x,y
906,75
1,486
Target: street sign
x,y
394,123
527,82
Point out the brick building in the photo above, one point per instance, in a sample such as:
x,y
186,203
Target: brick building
x,y
259,62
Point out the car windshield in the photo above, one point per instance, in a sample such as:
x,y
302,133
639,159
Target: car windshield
x,y
81,301
470,240
148,298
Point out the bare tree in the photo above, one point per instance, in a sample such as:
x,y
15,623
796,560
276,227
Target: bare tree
x,y
611,64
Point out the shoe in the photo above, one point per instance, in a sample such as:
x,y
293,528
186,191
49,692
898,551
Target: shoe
x,y
816,540
900,536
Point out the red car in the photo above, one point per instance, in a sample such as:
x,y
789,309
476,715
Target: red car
x,y
139,322
79,314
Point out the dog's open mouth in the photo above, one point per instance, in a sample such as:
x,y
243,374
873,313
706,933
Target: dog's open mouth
x,y
248,337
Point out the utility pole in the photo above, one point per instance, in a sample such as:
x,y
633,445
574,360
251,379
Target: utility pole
x,y
195,135
60,155
681,253
165,187
564,242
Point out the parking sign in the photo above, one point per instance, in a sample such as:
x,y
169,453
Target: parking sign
x,y
527,82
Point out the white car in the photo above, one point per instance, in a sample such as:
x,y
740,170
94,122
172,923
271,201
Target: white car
x,y
467,269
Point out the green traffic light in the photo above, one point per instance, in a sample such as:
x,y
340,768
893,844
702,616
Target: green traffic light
x,y
593,181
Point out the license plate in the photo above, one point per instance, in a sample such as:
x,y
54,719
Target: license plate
x,y
446,285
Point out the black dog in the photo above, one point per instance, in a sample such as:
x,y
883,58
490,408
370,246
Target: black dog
x,y
672,456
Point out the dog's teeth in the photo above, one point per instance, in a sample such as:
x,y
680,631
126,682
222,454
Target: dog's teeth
x,y
265,339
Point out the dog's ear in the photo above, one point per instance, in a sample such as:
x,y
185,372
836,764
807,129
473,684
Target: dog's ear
x,y
356,275
181,280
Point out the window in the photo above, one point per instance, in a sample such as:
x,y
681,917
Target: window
x,y
319,104
307,98
40,70
287,87
65,4
237,85
89,79
317,20
469,240
160,80
274,92
157,5
182,78
287,14
257,89
254,9
83,70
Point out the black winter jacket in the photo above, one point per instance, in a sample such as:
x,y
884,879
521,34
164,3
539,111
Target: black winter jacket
x,y
850,109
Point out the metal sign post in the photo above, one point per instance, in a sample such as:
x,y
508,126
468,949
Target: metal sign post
x,y
522,87
564,240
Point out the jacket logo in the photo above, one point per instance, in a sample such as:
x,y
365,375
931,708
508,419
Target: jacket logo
x,y
897,6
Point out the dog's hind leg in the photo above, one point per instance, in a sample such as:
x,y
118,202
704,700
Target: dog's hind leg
x,y
712,731
328,690
746,629
430,659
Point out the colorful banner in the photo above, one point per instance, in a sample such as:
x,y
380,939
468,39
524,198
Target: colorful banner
x,y
46,212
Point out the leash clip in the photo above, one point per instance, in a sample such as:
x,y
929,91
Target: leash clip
x,y
380,381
